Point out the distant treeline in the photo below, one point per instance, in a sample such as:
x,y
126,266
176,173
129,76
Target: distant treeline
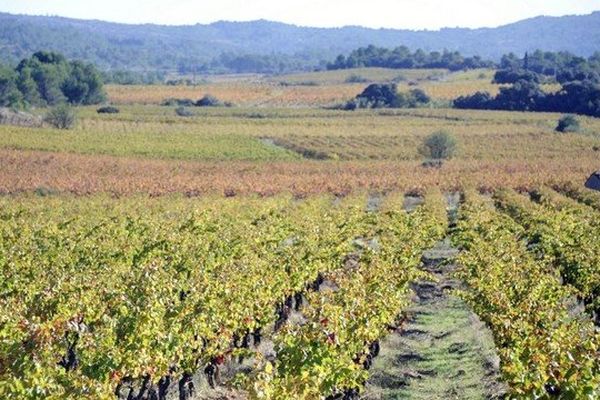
x,y
123,77
579,77
574,97
249,63
48,78
402,57
541,66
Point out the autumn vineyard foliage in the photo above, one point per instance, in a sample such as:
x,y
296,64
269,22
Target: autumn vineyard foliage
x,y
143,252
100,292
544,351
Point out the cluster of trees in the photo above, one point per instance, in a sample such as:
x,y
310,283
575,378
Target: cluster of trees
x,y
545,66
47,79
579,77
402,57
577,97
387,96
123,77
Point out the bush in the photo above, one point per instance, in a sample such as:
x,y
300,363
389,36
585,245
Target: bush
x,y
568,123
61,117
209,101
354,78
439,146
108,110
183,112
476,101
387,96
178,102
513,76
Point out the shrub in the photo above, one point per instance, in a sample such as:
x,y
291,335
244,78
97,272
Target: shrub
x,y
209,101
513,76
178,102
439,146
568,123
61,117
476,101
354,78
418,97
183,112
108,110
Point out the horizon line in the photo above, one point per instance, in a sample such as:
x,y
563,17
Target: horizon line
x,y
293,24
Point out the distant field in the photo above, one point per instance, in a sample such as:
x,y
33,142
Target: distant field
x,y
279,137
225,134
336,77
247,94
315,89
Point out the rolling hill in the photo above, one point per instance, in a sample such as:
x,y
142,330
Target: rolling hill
x,y
156,47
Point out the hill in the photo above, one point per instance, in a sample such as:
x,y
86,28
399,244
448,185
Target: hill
x,y
156,47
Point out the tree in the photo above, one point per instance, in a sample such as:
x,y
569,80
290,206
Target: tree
x,y
10,96
402,57
84,85
439,146
387,96
47,78
28,87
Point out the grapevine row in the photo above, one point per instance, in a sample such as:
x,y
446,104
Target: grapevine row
x,y
544,351
330,354
584,196
93,297
566,234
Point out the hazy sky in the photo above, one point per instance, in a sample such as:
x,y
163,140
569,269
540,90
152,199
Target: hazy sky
x,y
413,14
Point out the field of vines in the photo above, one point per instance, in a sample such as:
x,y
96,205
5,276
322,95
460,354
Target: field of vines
x,y
265,151
99,293
139,298
277,248
547,350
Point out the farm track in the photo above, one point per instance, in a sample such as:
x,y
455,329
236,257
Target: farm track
x,y
443,351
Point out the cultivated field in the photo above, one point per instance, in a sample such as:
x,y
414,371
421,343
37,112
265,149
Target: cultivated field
x,y
279,249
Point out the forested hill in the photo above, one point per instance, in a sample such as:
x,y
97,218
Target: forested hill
x,y
156,47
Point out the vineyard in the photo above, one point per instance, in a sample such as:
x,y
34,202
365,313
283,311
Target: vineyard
x,y
268,151
280,297
281,248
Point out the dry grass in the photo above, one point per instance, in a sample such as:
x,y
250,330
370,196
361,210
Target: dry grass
x,y
247,94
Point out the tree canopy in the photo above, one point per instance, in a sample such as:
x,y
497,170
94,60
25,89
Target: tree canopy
x,y
387,96
548,66
577,97
48,78
402,57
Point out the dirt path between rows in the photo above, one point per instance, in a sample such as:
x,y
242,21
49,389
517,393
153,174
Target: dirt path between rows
x,y
443,351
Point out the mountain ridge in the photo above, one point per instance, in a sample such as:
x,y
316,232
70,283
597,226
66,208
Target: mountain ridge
x,y
165,47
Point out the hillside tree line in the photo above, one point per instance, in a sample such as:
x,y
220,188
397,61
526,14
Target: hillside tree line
x,y
550,67
402,58
579,78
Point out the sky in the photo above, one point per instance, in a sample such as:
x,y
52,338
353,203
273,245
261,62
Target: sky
x,y
401,14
